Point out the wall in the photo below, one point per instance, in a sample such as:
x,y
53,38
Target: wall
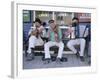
x,y
5,40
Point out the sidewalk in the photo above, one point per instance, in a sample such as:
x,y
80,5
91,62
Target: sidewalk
x,y
37,63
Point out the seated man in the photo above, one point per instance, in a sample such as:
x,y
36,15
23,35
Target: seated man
x,y
79,40
55,37
35,39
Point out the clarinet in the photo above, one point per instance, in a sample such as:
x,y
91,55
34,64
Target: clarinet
x,y
37,33
56,31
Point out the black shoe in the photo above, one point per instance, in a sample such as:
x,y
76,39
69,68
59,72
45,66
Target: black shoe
x,y
77,55
48,60
53,58
82,58
64,59
30,57
58,60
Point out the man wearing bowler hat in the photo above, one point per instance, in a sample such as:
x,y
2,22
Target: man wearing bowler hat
x,y
35,38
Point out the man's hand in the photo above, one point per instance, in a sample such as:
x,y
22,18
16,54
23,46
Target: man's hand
x,y
34,32
68,32
40,30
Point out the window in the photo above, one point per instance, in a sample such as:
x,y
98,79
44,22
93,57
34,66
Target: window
x,y
83,17
63,18
45,16
26,15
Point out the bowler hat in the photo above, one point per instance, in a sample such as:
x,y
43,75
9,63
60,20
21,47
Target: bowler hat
x,y
37,20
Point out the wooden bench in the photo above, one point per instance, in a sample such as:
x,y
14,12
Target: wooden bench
x,y
39,49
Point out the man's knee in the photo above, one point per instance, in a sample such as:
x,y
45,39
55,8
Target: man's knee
x,y
62,45
83,40
34,37
68,44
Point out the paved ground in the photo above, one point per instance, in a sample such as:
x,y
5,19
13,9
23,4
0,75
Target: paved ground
x,y
37,63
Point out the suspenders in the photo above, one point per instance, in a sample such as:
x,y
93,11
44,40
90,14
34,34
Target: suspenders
x,y
88,37
77,32
84,31
87,27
